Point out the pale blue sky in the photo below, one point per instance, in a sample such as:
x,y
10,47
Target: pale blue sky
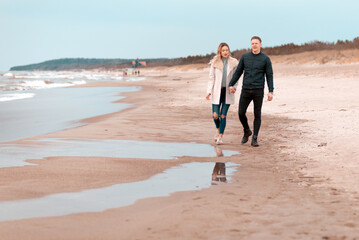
x,y
33,31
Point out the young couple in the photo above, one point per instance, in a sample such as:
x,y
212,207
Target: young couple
x,y
223,77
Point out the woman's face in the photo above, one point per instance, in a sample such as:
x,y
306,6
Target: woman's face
x,y
224,52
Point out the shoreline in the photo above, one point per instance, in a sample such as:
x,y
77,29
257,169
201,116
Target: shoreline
x,y
57,109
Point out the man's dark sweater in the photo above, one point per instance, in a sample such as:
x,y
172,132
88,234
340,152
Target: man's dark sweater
x,y
255,66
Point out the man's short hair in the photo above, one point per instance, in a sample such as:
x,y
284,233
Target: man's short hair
x,y
256,37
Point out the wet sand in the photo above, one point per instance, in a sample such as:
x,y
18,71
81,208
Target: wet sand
x,y
301,183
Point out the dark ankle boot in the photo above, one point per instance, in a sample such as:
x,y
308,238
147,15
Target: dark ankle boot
x,y
254,141
247,133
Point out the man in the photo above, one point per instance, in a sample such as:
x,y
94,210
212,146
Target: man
x,y
255,65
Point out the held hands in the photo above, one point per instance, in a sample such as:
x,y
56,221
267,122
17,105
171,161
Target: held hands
x,y
232,89
270,96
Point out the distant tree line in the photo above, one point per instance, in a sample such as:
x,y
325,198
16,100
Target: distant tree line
x,y
81,63
88,63
285,49
292,48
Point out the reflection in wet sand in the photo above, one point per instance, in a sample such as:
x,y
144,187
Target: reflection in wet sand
x,y
186,177
15,155
219,151
219,170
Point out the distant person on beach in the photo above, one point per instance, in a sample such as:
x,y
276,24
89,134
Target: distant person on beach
x,y
222,67
255,65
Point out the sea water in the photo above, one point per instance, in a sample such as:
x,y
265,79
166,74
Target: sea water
x,y
17,85
57,109
35,103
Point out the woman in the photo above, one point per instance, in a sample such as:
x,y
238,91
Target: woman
x,y
221,71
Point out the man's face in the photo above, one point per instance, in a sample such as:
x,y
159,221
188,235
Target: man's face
x,y
256,45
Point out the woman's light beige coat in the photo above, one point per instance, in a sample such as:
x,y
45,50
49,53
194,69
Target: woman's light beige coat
x,y
215,79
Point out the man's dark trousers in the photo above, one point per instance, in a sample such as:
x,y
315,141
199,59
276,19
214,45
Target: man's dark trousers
x,y
248,95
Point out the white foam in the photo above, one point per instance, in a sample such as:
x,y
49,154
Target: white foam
x,y
45,75
24,80
80,82
41,84
15,96
64,75
135,79
9,74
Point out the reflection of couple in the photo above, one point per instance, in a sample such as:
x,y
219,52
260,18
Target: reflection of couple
x,y
219,170
223,77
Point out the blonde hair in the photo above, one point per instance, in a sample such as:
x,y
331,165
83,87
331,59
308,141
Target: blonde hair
x,y
219,49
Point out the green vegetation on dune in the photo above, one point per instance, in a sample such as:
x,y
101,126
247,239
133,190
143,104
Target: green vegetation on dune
x,y
92,63
80,63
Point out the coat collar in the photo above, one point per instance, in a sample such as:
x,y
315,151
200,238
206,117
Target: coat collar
x,y
217,62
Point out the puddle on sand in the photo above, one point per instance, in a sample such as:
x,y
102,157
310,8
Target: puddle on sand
x,y
186,177
14,155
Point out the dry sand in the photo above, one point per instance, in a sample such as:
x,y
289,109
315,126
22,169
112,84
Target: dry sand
x,y
301,183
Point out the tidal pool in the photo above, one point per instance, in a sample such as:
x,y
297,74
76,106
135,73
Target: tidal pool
x,y
185,177
13,155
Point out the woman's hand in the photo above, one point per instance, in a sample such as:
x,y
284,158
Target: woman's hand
x,y
208,96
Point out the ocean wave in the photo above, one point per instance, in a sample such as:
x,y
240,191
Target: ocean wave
x,y
135,79
62,75
43,84
86,75
15,96
9,75
45,76
116,78
23,80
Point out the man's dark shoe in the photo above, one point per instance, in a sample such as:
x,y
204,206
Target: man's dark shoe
x,y
254,141
247,133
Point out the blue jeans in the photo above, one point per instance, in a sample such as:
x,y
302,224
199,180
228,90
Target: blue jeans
x,y
221,110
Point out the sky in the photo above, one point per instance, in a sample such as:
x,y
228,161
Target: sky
x,y
33,31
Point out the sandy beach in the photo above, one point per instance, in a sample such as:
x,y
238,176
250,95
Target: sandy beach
x,y
301,183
